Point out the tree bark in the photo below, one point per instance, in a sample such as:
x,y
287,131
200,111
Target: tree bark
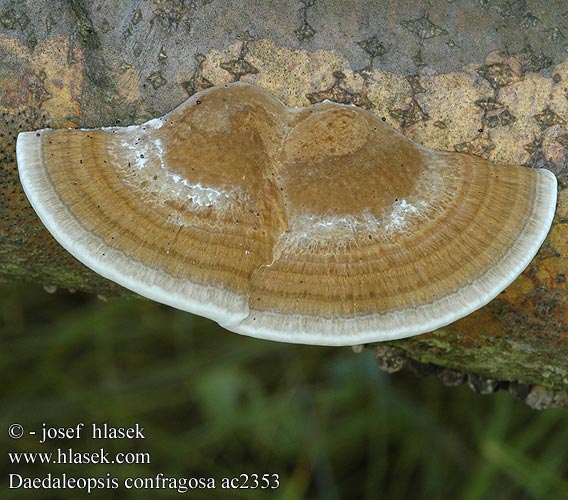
x,y
476,77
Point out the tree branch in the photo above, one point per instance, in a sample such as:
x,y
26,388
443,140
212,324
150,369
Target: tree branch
x,y
83,72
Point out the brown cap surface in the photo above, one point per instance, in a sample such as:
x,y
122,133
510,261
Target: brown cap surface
x,y
317,225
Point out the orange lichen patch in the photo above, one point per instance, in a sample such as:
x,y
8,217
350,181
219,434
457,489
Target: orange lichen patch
x,y
461,120
478,325
49,81
518,290
552,149
562,208
524,100
389,92
558,238
316,225
290,75
553,273
211,66
558,102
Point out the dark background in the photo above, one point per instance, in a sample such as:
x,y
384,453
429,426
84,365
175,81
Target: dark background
x,y
215,404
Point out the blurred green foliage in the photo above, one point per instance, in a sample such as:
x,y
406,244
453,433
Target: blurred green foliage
x,y
215,404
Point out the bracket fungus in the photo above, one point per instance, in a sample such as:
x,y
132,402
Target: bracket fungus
x,y
316,225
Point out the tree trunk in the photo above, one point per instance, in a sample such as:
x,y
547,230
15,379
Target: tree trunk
x,y
471,76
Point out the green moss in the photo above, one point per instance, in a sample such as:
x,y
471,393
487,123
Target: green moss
x,y
504,359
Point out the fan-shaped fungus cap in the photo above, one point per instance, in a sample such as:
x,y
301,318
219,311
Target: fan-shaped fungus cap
x,y
316,225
